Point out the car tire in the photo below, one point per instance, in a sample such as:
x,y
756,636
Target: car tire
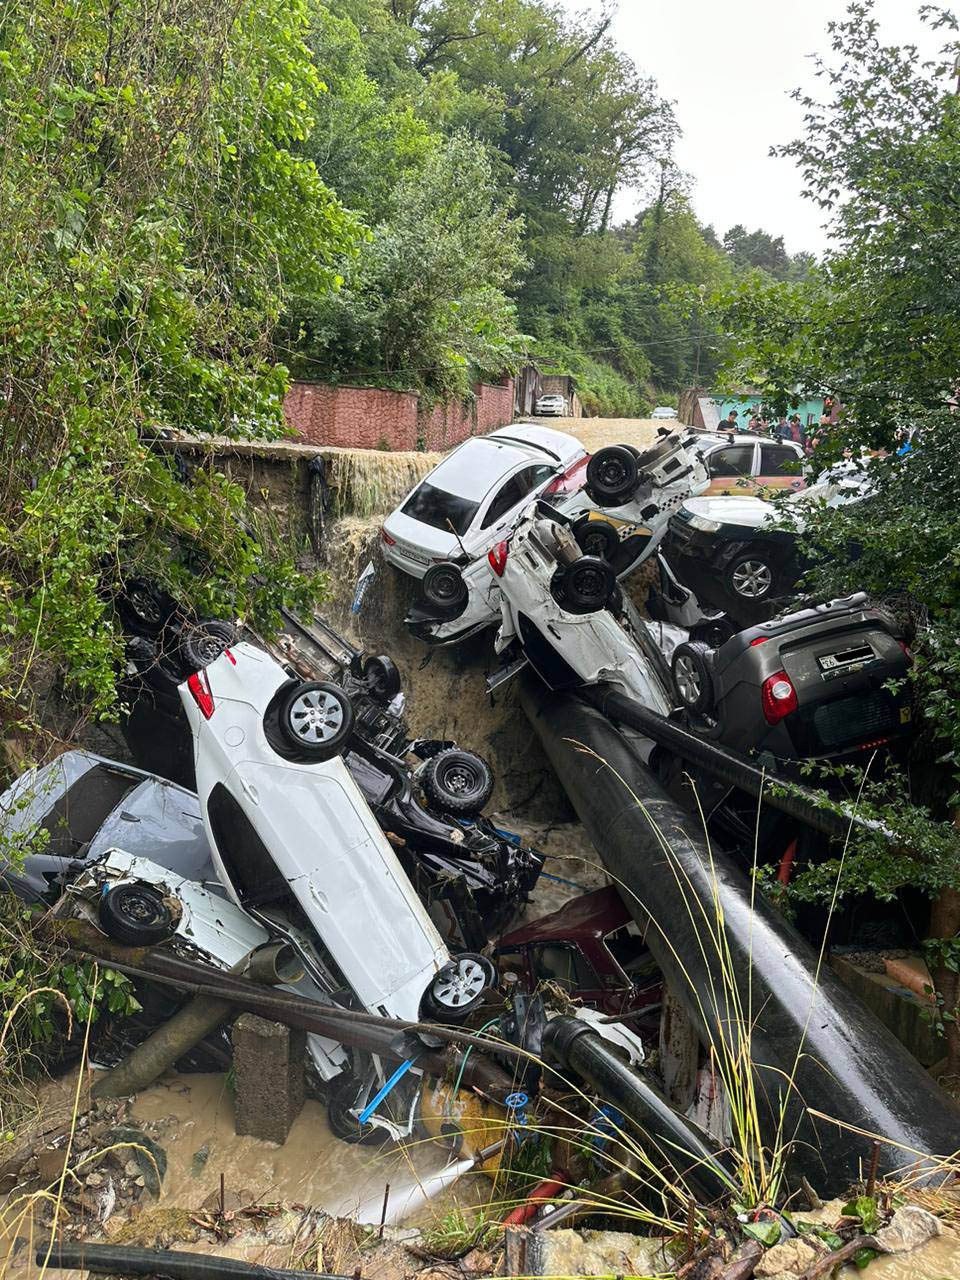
x,y
203,642
458,989
135,914
444,589
692,677
383,679
714,632
158,670
597,538
341,1096
143,609
613,475
456,781
315,719
752,577
588,585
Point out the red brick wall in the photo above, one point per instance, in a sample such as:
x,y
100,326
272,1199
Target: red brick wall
x,y
367,418
352,417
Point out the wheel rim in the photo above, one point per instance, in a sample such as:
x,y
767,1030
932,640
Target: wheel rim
x,y
144,605
752,578
595,544
590,584
457,985
689,685
316,716
612,473
139,907
459,778
209,646
445,586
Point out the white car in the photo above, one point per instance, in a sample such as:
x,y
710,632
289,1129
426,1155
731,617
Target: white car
x,y
663,411
471,500
554,406
566,613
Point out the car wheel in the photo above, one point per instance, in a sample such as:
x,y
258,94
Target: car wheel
x,y
588,585
135,914
752,576
458,989
713,633
456,781
203,642
444,589
316,719
692,678
613,475
156,669
341,1097
144,609
597,538
383,678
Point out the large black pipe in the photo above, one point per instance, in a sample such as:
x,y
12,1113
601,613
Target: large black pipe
x,y
120,1260
754,975
679,1143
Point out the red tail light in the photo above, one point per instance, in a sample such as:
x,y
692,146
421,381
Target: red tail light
x,y
779,697
391,542
199,686
758,640
498,558
572,479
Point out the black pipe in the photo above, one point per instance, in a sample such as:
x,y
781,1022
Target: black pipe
x,y
680,1144
805,1026
790,797
122,1260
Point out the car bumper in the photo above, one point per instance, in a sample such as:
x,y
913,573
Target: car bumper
x,y
406,561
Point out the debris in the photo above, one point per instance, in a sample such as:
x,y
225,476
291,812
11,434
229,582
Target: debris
x,y
909,1228
791,1255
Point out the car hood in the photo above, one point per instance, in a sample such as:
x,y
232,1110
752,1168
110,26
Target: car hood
x,y
437,544
742,511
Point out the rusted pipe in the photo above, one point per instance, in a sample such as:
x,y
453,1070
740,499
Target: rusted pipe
x,y
269,964
543,1192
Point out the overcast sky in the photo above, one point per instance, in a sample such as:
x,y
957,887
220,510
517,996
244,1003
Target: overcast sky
x,y
729,66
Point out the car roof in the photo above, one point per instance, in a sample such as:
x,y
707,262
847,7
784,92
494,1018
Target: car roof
x,y
474,467
543,443
707,439
591,915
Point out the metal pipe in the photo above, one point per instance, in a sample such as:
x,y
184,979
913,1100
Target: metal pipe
x,y
123,1260
677,1141
272,963
747,978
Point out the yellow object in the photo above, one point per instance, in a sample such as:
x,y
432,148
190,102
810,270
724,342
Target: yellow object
x,y
463,1118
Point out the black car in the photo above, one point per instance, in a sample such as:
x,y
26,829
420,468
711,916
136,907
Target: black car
x,y
730,554
823,682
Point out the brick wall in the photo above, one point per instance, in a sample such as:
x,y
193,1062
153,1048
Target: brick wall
x,y
368,418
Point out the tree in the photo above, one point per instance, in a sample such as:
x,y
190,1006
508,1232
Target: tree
x,y
879,325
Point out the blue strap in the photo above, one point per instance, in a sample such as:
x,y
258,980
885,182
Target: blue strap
x,y
371,1107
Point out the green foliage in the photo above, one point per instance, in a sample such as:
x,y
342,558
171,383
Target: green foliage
x,y
155,212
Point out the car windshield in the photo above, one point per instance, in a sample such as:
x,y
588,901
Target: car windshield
x,y
440,509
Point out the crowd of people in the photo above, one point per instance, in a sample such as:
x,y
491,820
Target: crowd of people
x,y
782,428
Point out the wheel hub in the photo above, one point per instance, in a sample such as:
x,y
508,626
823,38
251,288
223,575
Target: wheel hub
x,y
753,578
688,680
459,984
316,717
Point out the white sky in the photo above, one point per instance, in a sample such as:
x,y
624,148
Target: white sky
x,y
729,66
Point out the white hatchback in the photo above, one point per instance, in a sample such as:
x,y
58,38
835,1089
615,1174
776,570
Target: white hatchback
x,y
470,501
292,837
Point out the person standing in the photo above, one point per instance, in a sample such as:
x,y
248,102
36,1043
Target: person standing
x,y
730,421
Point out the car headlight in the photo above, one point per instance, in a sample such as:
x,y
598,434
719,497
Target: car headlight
x,y
703,524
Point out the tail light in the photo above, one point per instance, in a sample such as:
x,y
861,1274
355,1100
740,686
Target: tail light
x,y
758,640
199,686
779,697
498,558
571,480
391,542
906,649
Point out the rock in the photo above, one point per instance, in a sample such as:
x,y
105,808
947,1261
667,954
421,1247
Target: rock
x,y
909,1228
792,1256
81,1142
131,1169
141,1181
50,1163
94,1180
199,1160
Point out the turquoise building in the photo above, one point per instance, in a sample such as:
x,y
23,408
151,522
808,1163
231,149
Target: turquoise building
x,y
746,404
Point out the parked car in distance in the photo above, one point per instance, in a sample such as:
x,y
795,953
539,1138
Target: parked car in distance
x,y
819,683
592,948
554,406
470,501
663,411
741,463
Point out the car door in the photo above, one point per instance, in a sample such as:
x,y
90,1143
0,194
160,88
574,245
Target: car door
x,y
780,468
496,521
731,468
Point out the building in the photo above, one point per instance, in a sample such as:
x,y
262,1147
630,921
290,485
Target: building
x,y
698,408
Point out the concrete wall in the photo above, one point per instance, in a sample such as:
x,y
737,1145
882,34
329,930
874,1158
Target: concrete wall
x,y
371,418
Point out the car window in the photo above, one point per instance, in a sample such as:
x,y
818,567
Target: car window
x,y
778,460
737,460
629,950
508,497
566,966
253,873
440,509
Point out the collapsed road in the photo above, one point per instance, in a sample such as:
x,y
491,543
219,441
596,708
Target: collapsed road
x,y
742,970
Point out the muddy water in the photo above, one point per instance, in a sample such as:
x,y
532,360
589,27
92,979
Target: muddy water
x,y
196,1115
938,1260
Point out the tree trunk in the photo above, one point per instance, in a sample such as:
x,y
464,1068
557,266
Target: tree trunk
x,y
945,923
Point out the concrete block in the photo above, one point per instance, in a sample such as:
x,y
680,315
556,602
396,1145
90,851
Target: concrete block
x,y
563,1252
903,1012
269,1064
